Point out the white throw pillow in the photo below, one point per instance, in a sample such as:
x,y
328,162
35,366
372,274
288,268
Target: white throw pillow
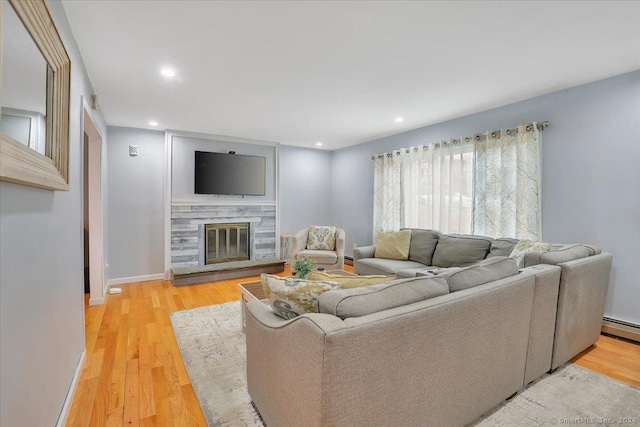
x,y
525,246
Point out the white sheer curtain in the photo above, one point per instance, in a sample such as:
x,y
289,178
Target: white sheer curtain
x,y
438,186
387,193
428,186
507,184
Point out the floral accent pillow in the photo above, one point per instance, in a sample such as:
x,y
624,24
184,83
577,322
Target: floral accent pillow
x,y
525,246
322,237
290,297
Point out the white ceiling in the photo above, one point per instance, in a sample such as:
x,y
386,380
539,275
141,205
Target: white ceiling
x,y
340,72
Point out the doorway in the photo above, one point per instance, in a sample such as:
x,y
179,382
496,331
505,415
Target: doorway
x,y
92,210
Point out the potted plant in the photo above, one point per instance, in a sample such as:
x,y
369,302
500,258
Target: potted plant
x,y
302,267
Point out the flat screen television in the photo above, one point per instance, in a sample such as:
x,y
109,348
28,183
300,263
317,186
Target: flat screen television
x,y
229,174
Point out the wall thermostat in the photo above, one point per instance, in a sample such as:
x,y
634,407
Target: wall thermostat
x,y
133,150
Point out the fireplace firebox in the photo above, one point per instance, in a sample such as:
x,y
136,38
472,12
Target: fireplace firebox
x,y
226,242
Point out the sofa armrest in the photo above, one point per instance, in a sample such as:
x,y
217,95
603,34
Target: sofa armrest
x,y
340,242
299,242
264,315
285,362
364,252
543,319
582,296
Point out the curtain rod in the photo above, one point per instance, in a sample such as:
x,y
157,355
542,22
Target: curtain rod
x,y
540,126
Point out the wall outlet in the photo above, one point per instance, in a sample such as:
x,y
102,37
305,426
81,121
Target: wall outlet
x,y
106,266
133,150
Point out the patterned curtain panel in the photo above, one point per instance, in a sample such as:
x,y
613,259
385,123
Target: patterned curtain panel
x,y
387,194
507,184
437,184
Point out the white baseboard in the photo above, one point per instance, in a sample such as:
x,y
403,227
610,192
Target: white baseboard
x,y
96,301
133,279
64,414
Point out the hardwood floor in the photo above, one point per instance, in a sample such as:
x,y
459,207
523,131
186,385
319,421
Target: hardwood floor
x,y
134,375
613,357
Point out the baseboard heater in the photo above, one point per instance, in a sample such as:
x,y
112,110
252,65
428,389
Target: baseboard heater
x,y
621,329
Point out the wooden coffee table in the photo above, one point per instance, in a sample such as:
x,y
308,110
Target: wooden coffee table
x,y
250,291
253,291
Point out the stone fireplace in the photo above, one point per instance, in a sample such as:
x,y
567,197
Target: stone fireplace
x,y
189,241
226,242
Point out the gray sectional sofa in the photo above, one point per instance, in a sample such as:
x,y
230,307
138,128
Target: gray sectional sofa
x,y
425,350
584,281
431,250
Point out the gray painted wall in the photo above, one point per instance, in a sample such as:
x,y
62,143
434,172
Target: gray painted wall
x,y
136,192
183,160
41,277
17,127
590,174
136,203
305,188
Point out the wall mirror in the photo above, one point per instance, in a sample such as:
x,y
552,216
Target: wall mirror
x,y
34,97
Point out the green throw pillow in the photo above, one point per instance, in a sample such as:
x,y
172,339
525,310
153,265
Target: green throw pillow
x,y
291,297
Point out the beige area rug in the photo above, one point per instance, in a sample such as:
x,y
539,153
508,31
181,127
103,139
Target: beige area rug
x,y
212,345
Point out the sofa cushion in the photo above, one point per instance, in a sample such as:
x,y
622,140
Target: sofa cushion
x,y
372,299
350,282
502,247
413,272
423,244
319,257
564,254
393,245
383,266
290,297
489,270
526,246
454,250
321,237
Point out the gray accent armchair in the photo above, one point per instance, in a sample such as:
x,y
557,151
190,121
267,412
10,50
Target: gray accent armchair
x,y
331,260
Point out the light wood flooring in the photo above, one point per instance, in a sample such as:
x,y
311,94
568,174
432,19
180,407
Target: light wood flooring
x,y
134,375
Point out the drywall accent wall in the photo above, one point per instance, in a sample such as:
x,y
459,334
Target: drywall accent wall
x,y
590,174
305,188
136,203
183,161
41,276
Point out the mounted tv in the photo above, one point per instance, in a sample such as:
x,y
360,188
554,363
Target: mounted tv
x,y
229,174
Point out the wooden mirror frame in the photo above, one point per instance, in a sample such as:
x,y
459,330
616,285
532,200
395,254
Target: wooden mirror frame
x,y
19,163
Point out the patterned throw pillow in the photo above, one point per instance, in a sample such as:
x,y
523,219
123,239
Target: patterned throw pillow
x,y
322,237
526,246
290,297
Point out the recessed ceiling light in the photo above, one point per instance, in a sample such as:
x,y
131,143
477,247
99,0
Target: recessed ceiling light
x,y
399,119
168,72
153,123
319,144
